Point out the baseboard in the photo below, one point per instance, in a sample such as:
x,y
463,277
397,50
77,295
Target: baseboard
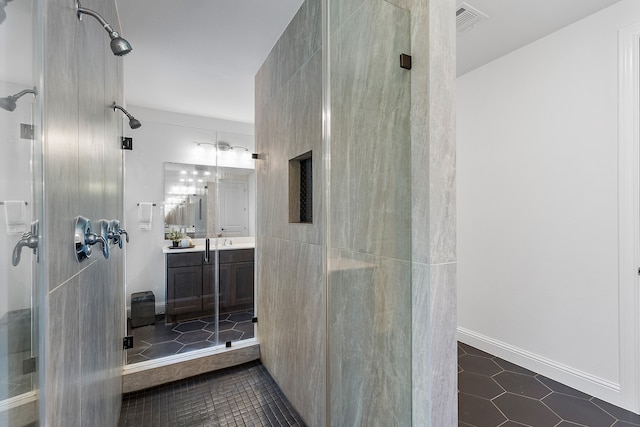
x,y
595,386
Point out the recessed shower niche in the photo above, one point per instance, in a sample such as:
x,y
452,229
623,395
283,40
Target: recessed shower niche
x,y
301,189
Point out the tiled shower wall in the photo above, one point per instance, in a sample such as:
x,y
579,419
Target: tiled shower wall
x,y
83,176
392,357
291,296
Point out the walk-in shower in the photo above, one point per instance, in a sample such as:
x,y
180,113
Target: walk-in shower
x,y
20,211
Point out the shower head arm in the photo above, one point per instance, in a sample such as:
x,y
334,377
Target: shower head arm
x,y
24,92
117,107
112,33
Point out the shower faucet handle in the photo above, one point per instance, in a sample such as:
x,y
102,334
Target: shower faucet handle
x,y
126,235
85,238
115,233
30,240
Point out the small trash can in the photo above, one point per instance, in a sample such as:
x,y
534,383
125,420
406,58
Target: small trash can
x,y
143,309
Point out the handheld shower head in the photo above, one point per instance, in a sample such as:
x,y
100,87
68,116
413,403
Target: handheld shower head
x,y
119,46
133,122
9,103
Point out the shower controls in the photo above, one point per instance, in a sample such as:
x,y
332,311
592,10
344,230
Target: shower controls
x,y
85,238
115,233
29,240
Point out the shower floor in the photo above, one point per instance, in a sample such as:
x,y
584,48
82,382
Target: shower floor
x,y
162,339
15,334
244,395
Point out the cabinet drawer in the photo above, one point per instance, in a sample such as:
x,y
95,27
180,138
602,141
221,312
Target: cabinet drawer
x,y
236,255
184,260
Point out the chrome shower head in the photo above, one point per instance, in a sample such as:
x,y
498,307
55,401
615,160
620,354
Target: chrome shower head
x,y
9,103
119,46
133,122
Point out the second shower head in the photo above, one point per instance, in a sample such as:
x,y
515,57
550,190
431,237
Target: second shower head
x,y
119,46
9,103
133,122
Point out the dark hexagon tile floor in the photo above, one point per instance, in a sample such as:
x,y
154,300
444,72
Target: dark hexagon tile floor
x,y
493,392
161,340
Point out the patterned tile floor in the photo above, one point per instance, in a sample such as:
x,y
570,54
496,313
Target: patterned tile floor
x,y
494,392
245,395
160,340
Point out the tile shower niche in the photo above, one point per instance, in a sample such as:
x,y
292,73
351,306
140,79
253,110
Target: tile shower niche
x,y
301,189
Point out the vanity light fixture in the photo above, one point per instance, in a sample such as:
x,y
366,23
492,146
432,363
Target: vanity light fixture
x,y
119,46
223,146
133,122
9,103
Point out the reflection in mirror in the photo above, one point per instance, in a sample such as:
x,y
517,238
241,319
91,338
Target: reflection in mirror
x,y
207,201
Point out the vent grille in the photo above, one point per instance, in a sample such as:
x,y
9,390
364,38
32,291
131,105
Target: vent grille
x,y
468,17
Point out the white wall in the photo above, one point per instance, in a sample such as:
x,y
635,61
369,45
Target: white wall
x,y
537,203
165,137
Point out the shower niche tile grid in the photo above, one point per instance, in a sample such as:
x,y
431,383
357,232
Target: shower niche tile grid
x,y
162,339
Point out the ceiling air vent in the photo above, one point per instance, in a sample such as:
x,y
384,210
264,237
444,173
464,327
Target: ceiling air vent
x,y
468,17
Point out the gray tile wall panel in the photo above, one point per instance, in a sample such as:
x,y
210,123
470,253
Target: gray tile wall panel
x,y
83,176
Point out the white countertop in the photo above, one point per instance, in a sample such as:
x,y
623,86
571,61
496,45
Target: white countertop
x,y
221,244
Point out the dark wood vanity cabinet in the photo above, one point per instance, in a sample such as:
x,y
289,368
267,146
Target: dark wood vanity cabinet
x,y
191,283
184,283
236,280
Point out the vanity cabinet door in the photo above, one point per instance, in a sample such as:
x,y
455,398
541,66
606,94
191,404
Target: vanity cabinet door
x,y
226,288
184,289
243,295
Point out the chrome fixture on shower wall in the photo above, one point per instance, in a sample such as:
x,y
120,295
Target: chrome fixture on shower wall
x,y
3,14
85,238
115,232
119,46
133,122
30,240
9,103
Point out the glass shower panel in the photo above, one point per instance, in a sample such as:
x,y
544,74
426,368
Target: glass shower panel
x,y
235,237
208,195
20,195
369,230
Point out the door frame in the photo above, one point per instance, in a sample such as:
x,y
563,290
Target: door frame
x,y
629,216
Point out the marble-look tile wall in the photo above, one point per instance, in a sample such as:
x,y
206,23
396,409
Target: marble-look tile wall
x,y
291,277
391,226
433,221
370,227
84,321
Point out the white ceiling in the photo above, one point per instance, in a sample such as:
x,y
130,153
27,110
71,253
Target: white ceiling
x,y
516,23
199,57
202,59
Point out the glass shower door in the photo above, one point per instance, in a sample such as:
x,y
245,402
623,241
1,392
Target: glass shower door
x,y
20,174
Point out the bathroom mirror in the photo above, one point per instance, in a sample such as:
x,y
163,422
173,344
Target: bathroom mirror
x,y
208,201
